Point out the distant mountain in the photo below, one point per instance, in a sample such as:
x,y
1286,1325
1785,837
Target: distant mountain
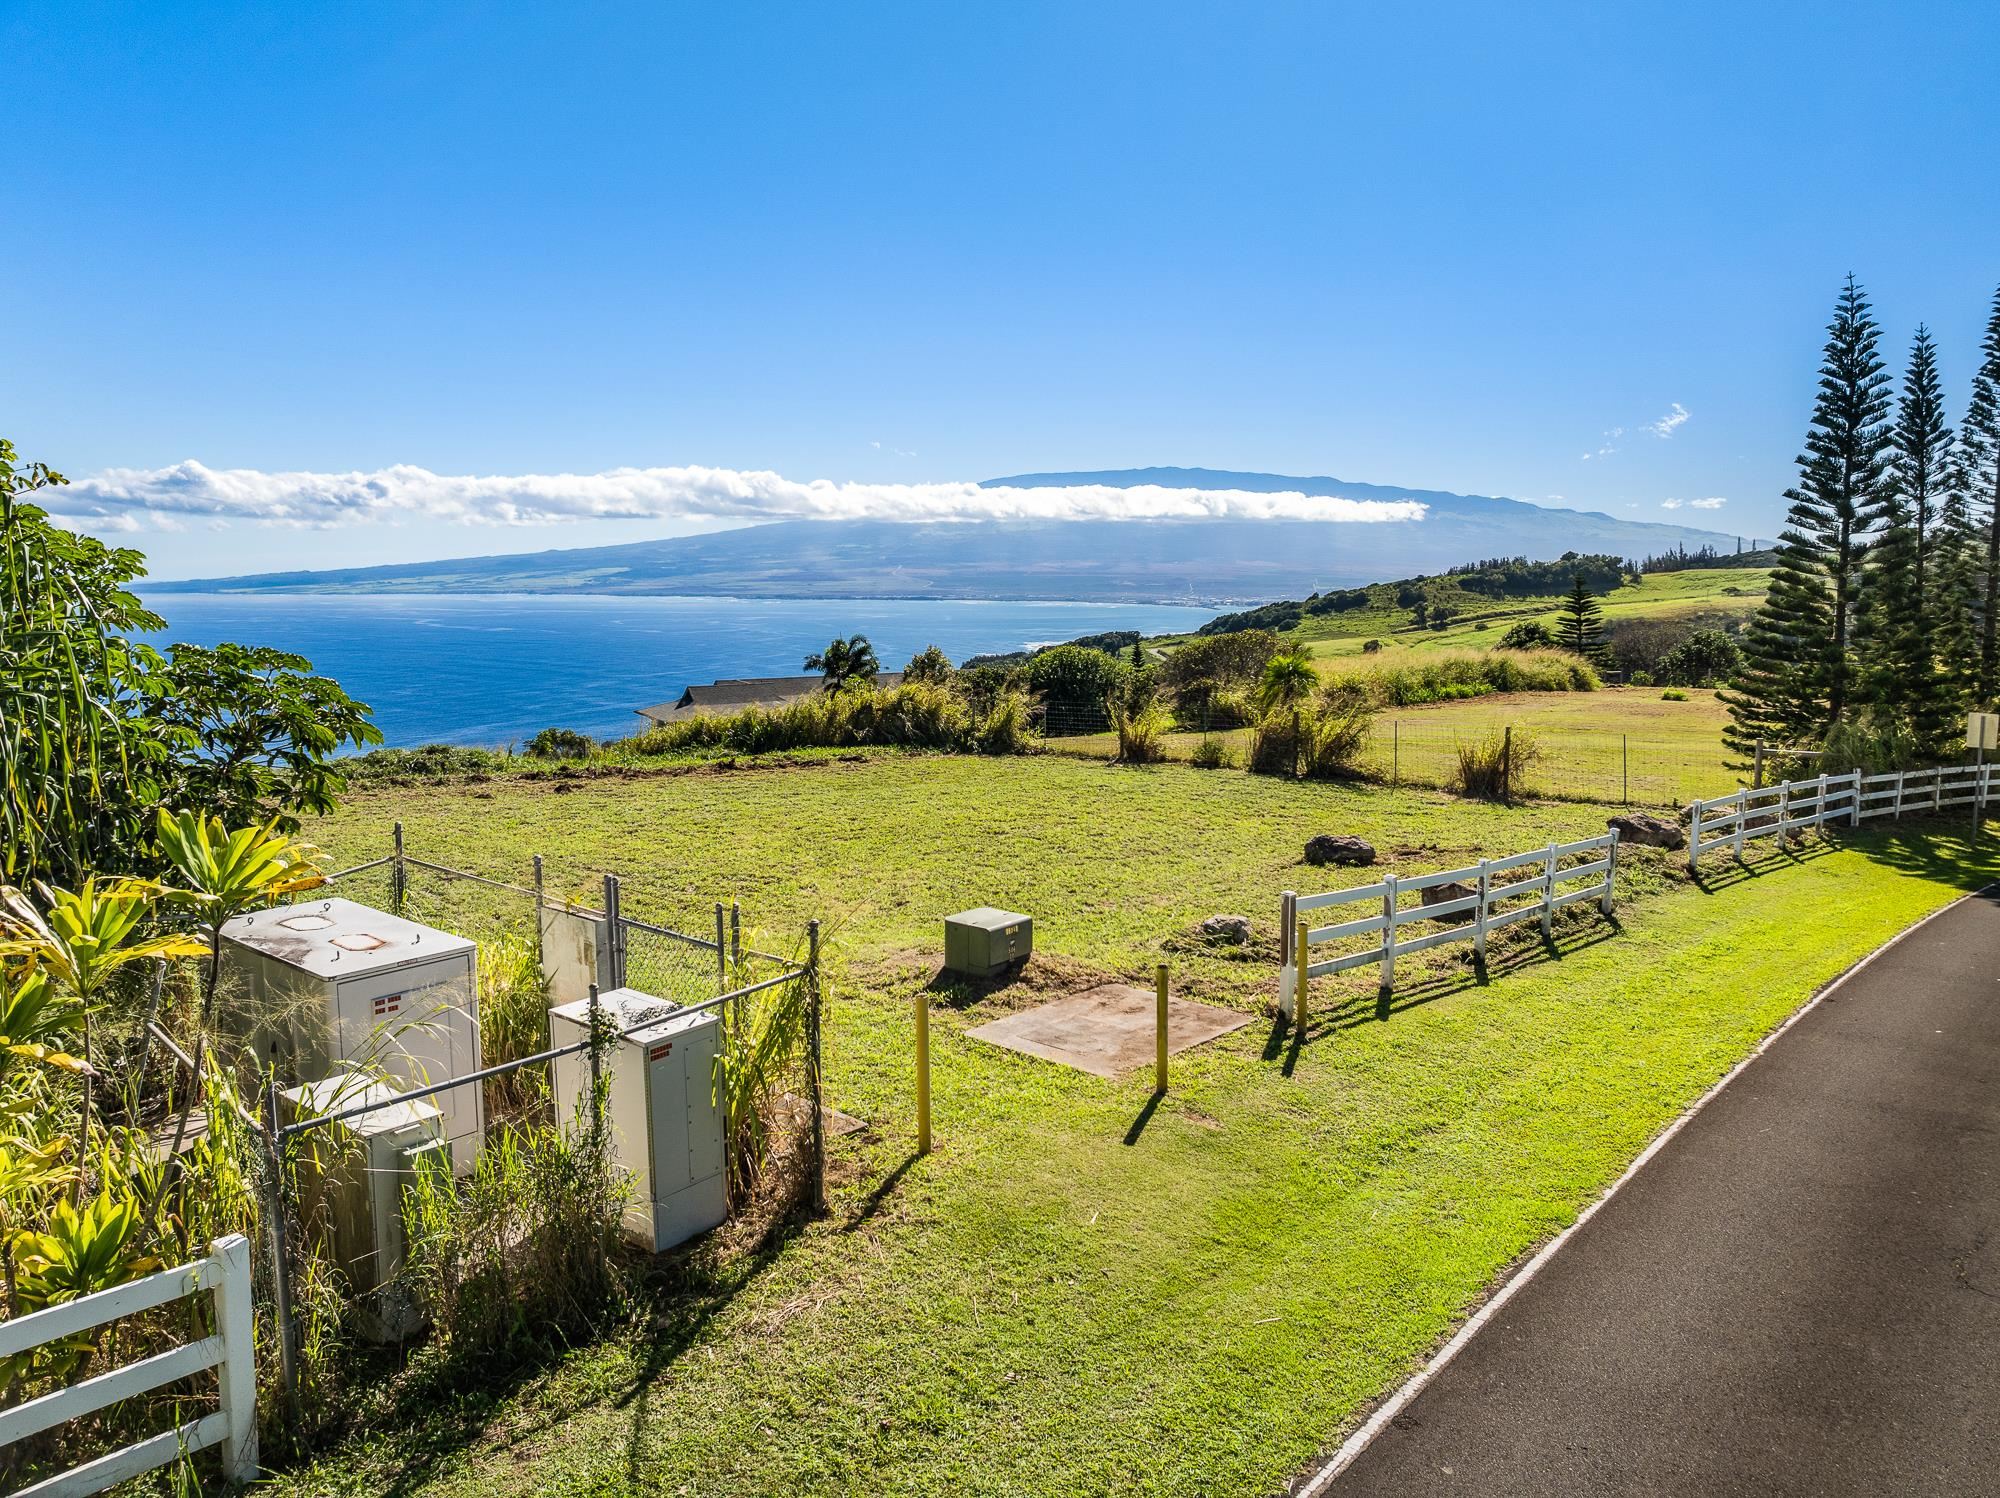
x,y
1196,561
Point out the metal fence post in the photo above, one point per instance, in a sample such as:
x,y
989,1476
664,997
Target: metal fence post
x,y
1624,771
614,934
399,877
237,1377
721,950
281,1255
1507,765
1395,751
541,904
815,1080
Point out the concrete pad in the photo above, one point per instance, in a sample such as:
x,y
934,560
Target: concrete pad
x,y
1108,1030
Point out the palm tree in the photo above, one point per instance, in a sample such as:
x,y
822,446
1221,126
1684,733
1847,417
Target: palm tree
x,y
1288,681
851,659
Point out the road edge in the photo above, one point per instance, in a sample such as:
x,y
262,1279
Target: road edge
x,y
1320,1479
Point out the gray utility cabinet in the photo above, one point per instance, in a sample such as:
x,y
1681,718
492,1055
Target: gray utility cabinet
x,y
327,984
665,1124
985,942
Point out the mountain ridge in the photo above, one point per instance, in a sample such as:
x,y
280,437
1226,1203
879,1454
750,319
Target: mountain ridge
x,y
1221,561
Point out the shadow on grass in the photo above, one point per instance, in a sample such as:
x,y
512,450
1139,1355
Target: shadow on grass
x,y
1145,1117
1946,849
961,992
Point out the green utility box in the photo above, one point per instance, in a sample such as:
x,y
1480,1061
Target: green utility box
x,y
985,942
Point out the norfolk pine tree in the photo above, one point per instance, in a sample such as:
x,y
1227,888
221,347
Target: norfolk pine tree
x,y
1911,702
1581,628
1798,678
1979,497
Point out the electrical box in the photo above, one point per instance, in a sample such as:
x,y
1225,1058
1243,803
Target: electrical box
x,y
326,984
351,1178
666,1128
1982,730
985,942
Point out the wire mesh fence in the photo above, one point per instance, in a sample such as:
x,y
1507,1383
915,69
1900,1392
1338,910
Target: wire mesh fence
x,y
1556,764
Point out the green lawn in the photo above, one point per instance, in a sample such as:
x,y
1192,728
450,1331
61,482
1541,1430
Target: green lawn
x,y
1081,1293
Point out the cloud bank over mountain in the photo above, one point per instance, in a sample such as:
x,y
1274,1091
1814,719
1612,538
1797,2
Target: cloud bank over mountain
x,y
127,498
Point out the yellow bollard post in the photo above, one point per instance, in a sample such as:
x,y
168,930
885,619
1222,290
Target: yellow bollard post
x,y
1303,958
1160,1029
923,1073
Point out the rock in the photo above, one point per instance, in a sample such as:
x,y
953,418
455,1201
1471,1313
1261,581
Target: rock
x,y
1338,848
1641,830
1439,894
1233,930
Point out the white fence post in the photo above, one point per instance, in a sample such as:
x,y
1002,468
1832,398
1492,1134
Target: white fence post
x,y
1901,776
1694,838
1854,798
238,1373
1549,896
1479,928
1610,874
1388,979
1288,960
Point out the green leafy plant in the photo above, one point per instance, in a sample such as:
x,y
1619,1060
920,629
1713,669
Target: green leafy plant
x,y
1212,754
77,1252
843,661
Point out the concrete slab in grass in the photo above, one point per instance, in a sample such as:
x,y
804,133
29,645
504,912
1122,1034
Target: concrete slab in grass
x,y
1107,1030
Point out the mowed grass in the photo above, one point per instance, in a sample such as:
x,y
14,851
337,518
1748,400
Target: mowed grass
x,y
1081,1291
1613,745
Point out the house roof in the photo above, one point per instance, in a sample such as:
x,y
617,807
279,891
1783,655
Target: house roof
x,y
733,694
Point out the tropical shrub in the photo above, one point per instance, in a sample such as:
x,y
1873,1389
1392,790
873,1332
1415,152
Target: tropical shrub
x,y
560,743
1212,754
1529,634
1335,733
1496,767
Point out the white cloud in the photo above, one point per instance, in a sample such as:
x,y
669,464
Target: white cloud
x,y
1670,504
1713,502
1667,425
118,497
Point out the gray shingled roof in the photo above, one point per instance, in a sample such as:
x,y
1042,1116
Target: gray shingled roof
x,y
735,693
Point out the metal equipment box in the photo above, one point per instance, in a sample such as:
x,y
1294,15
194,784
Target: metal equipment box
x,y
665,1123
323,984
352,1175
985,942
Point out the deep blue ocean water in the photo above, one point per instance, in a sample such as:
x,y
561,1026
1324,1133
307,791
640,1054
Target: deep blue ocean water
x,y
495,668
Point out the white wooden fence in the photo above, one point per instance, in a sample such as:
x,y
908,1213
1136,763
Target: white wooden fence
x,y
1792,807
224,1274
1491,905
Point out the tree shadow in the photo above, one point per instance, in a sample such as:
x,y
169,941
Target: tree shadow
x,y
1944,847
961,992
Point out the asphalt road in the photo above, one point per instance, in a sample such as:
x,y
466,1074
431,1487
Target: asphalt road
x,y
1800,1293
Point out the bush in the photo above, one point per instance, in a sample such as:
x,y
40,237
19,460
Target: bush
x,y
560,743
930,666
1369,647
1212,754
1335,733
1641,679
1530,634
1139,728
1198,670
1274,747
1705,658
1074,675
1004,729
1494,769
914,715
1444,678
1671,694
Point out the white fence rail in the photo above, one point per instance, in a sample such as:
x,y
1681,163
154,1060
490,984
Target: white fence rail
x,y
1495,900
1792,807
224,1274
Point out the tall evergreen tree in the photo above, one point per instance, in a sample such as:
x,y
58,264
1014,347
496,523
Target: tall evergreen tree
x,y
1979,495
1799,670
1581,629
1898,624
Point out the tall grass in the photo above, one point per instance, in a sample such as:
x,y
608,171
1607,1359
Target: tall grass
x,y
513,1017
761,1043
1141,731
1496,768
1444,678
916,715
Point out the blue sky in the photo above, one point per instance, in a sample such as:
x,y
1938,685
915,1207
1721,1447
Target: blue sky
x,y
1446,246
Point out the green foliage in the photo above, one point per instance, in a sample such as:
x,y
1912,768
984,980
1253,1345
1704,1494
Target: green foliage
x,y
513,1016
1798,676
1074,675
762,1041
911,715
1004,728
1671,694
1975,574
1703,659
560,743
1212,754
1529,634
1289,679
1141,728
1496,766
929,666
515,1259
1581,631
1211,665
1334,733
844,661
97,729
1445,678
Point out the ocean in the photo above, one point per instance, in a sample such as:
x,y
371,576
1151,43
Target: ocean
x,y
494,669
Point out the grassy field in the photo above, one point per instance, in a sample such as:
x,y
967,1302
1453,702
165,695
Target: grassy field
x,y
1084,1291
1721,591
1616,744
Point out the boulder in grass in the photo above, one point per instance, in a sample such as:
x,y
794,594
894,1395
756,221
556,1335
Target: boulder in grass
x,y
1440,894
1637,829
1340,849
1230,930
